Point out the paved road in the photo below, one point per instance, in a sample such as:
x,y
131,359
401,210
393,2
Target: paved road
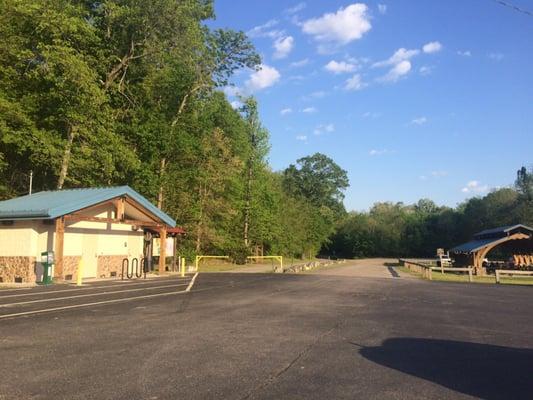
x,y
253,336
365,268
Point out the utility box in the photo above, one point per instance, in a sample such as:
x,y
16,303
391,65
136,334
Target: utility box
x,y
48,261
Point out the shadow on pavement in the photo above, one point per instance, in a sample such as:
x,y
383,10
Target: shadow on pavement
x,y
481,370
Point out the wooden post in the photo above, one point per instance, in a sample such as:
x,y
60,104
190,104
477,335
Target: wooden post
x,y
58,247
120,208
162,250
497,276
175,247
470,279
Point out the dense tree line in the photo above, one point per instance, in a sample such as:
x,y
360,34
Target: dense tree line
x,y
113,92
397,230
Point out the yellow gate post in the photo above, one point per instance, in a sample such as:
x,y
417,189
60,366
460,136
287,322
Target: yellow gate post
x,y
80,273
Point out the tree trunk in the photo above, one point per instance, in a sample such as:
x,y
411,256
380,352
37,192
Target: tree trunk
x,y
199,225
71,134
247,205
160,195
248,199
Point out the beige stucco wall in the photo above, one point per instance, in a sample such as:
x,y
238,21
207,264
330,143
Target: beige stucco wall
x,y
19,239
87,240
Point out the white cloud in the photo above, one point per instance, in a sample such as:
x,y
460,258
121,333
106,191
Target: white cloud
x,y
286,111
339,28
235,104
266,30
465,53
382,8
300,63
302,138
496,56
232,91
401,62
432,47
439,174
297,8
380,152
425,70
475,187
434,175
320,129
296,78
372,115
319,94
263,78
419,121
340,67
283,46
354,83
309,110
399,55
396,72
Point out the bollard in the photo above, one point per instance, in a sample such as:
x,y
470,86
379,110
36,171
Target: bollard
x,y
80,273
182,267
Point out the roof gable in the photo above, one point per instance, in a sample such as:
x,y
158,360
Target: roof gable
x,y
503,231
54,204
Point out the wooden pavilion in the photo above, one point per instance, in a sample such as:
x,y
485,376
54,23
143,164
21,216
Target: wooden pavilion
x,y
518,239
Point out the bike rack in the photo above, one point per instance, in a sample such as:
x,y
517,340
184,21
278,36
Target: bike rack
x,y
144,267
135,270
125,262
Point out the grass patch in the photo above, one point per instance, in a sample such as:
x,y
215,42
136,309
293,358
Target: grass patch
x,y
217,267
463,277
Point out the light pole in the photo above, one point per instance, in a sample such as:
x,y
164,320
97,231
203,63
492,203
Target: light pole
x,y
31,181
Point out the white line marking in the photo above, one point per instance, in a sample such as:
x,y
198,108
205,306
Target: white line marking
x,y
191,283
90,304
87,295
88,287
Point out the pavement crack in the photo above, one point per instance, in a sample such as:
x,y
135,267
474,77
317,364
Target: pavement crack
x,y
273,377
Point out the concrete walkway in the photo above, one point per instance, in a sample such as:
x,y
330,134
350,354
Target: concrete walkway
x,y
365,268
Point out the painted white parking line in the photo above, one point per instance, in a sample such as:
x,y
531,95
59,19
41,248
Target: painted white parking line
x,y
88,287
191,283
149,296
87,295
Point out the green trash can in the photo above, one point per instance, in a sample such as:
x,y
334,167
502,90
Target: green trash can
x,y
47,260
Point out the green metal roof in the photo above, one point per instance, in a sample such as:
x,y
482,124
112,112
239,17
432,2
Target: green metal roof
x,y
53,204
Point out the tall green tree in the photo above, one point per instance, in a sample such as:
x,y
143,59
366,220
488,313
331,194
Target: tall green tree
x,y
318,179
258,145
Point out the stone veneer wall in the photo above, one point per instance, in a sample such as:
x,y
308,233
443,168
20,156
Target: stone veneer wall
x,y
17,267
108,264
70,267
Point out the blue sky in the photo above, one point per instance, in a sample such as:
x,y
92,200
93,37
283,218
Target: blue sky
x,y
413,98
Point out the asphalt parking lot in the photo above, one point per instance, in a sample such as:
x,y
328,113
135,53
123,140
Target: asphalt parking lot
x,y
267,336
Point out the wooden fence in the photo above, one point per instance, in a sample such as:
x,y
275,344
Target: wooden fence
x,y
425,269
511,272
